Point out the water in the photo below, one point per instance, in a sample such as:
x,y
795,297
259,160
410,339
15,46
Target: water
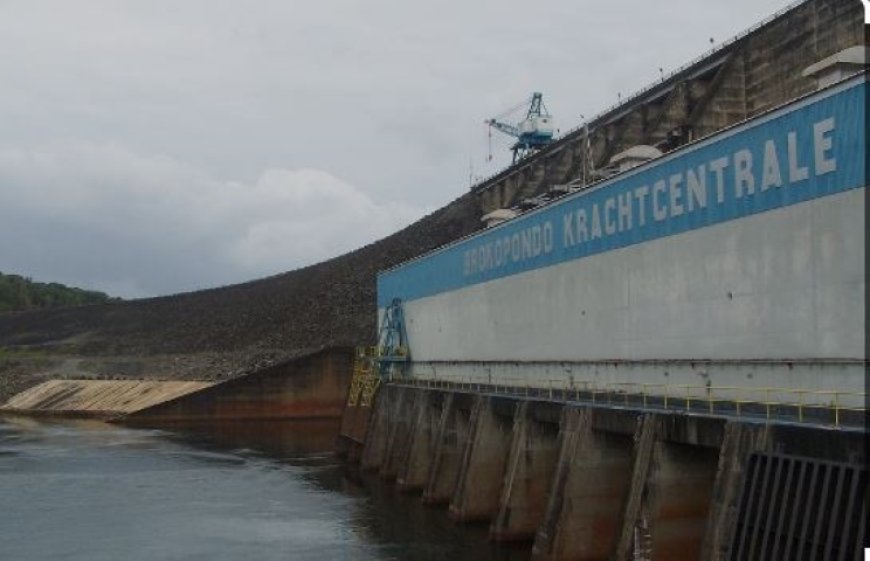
x,y
86,490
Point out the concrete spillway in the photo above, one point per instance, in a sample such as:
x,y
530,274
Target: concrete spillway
x,y
98,397
310,386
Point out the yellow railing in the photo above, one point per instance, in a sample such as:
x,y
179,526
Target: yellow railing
x,y
738,401
365,379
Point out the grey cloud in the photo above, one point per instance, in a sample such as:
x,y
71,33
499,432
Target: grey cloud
x,y
138,225
389,96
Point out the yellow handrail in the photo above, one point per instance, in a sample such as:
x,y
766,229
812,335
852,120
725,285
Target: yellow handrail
x,y
769,398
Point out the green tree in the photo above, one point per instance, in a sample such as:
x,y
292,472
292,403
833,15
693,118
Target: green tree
x,y
19,293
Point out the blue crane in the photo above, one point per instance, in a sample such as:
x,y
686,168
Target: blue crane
x,y
532,133
393,352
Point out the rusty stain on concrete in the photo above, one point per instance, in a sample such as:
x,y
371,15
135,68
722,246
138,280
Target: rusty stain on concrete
x,y
308,387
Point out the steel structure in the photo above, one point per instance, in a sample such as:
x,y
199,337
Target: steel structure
x,y
392,352
532,133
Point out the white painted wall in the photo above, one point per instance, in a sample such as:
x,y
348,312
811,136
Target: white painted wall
x,y
787,283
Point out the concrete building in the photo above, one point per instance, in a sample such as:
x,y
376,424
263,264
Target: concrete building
x,y
726,268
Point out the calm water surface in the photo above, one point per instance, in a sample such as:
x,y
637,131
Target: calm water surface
x,y
87,490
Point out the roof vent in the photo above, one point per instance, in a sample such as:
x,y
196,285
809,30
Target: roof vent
x,y
498,216
634,156
836,67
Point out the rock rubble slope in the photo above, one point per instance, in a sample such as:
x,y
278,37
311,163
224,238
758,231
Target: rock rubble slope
x,y
221,332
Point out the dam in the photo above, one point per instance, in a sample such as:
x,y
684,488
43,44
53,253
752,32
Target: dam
x,y
664,360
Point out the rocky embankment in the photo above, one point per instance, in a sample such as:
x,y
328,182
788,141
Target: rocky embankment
x,y
221,332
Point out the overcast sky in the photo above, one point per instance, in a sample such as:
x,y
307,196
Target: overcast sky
x,y
154,147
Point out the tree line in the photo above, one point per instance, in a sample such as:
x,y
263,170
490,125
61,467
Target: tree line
x,y
19,293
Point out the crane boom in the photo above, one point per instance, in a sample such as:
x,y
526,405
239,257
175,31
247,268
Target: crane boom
x,y
506,128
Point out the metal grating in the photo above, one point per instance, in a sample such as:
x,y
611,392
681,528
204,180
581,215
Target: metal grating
x,y
795,508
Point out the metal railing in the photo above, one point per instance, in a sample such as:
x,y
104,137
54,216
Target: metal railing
x,y
365,380
819,407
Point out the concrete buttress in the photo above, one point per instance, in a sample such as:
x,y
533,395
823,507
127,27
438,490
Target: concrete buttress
x,y
531,461
677,501
378,429
569,428
449,443
400,431
590,491
414,468
739,441
644,442
481,474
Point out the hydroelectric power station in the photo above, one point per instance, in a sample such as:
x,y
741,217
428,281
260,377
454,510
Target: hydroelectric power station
x,y
662,361
645,339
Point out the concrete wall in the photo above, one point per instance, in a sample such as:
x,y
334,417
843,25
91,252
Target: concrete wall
x,y
585,482
784,284
314,386
781,293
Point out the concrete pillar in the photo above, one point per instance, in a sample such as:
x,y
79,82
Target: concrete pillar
x,y
414,468
591,490
352,434
572,422
739,441
449,443
481,475
378,429
530,465
644,442
677,501
400,428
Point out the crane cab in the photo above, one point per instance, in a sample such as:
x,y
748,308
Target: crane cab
x,y
537,128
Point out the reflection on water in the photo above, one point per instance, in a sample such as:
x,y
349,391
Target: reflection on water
x,y
256,490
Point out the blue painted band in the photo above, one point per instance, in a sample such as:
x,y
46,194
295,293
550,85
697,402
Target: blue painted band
x,y
810,149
